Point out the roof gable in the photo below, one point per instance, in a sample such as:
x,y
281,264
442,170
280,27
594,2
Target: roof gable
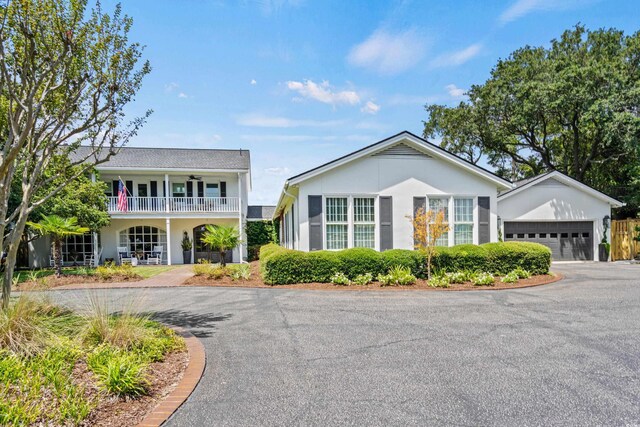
x,y
403,144
558,179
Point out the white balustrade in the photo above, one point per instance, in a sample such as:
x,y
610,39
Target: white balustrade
x,y
176,204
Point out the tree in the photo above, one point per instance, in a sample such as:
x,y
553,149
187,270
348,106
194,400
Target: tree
x,y
66,74
572,107
59,229
221,239
428,227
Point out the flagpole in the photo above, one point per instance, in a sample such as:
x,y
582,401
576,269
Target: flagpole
x,y
125,186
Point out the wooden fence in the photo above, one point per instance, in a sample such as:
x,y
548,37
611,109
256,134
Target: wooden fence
x,y
623,244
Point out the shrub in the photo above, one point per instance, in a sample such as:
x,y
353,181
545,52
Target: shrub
x,y
282,266
482,279
511,277
397,276
211,271
239,271
440,281
22,327
119,373
340,279
363,279
521,273
110,271
458,277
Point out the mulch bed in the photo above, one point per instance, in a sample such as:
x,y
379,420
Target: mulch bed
x,y
256,282
114,411
52,281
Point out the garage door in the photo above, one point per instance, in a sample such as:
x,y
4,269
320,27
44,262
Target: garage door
x,y
568,241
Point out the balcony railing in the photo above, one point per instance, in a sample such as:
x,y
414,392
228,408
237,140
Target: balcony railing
x,y
175,204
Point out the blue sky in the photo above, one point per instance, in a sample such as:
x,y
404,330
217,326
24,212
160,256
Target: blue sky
x,y
302,82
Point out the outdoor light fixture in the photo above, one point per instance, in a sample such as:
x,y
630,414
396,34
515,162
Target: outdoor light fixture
x,y
605,221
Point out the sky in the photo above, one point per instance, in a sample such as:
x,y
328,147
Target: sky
x,y
302,82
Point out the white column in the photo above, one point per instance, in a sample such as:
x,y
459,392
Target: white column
x,y
94,236
168,227
240,215
166,192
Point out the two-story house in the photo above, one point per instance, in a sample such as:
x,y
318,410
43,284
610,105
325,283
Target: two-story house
x,y
169,191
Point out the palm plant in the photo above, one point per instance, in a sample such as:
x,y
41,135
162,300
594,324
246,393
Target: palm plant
x,y
221,239
59,229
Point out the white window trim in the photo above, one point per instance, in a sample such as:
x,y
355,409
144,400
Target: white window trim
x,y
451,219
449,199
350,222
374,222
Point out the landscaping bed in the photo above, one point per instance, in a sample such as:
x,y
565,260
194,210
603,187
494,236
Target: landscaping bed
x,y
255,281
58,367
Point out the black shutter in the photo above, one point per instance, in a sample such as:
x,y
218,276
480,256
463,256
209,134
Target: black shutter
x,y
129,185
200,189
153,188
115,185
386,223
315,223
484,230
418,203
223,189
189,188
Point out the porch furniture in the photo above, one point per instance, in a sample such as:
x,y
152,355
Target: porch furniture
x,y
155,257
91,261
124,255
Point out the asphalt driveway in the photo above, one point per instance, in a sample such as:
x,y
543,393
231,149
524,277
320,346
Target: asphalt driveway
x,y
562,354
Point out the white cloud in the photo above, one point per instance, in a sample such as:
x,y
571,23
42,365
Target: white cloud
x,y
454,91
323,92
458,57
521,8
389,53
277,171
253,82
260,120
370,108
168,88
404,99
182,95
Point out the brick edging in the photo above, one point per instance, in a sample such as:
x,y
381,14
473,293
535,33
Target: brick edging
x,y
188,383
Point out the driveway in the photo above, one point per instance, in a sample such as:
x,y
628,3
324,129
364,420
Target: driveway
x,y
562,354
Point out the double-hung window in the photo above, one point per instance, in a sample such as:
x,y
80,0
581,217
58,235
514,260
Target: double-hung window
x,y
178,189
463,221
364,222
337,228
437,205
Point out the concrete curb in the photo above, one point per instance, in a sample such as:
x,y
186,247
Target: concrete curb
x,y
188,383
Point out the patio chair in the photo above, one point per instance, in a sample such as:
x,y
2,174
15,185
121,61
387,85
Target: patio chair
x,y
155,257
91,261
124,255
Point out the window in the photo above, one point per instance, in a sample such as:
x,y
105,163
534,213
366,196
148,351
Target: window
x,y
212,190
438,205
364,222
142,239
337,223
463,221
75,249
178,189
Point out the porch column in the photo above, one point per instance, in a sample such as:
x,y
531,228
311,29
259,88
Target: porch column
x,y
168,222
94,236
240,215
166,192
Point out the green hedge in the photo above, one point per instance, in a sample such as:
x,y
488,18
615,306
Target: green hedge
x,y
260,233
283,266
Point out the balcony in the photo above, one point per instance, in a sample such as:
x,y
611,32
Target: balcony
x,y
175,204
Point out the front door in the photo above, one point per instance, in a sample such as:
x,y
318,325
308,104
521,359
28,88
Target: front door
x,y
202,252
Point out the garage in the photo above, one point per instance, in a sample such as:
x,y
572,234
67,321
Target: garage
x,y
568,240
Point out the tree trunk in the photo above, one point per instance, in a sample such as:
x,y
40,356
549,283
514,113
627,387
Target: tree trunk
x,y
10,265
57,256
223,262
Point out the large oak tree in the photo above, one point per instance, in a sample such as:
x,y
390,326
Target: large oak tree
x,y
572,107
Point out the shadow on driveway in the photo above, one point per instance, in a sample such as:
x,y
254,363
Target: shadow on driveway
x,y
200,325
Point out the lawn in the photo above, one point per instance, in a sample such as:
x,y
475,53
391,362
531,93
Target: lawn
x,y
59,367
144,271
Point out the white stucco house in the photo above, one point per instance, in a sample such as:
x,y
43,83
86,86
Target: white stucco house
x,y
169,191
367,199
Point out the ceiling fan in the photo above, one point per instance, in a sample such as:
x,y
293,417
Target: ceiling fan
x,y
195,178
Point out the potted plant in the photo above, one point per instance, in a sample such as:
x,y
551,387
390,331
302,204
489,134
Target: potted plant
x,y
186,248
604,247
637,240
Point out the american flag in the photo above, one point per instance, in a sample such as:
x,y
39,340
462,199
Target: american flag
x,y
122,197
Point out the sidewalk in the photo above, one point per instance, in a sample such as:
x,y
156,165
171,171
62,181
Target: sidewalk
x,y
167,279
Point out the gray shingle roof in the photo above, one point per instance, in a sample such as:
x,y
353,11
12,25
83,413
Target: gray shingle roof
x,y
260,212
173,158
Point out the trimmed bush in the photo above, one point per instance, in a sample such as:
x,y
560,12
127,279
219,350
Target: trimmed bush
x,y
283,266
